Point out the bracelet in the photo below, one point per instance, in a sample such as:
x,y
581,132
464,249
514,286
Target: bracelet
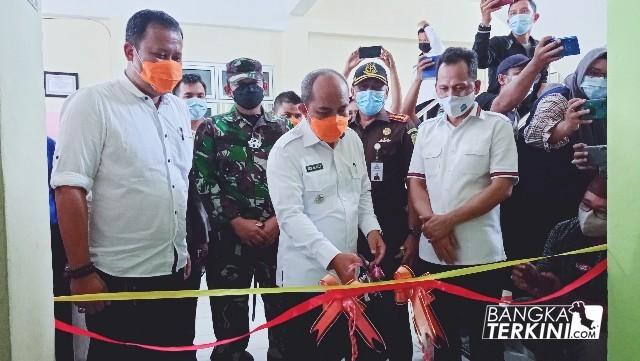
x,y
483,27
81,272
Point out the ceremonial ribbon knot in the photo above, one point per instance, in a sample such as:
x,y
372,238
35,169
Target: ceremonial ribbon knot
x,y
353,309
428,329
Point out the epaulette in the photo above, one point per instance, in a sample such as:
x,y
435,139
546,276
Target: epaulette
x,y
402,118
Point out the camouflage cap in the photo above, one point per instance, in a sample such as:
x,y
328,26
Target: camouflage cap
x,y
243,68
370,70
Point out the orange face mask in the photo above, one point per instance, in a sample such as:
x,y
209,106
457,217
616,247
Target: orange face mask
x,y
162,75
329,129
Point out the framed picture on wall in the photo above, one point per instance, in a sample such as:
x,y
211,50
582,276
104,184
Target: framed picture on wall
x,y
59,84
207,72
267,71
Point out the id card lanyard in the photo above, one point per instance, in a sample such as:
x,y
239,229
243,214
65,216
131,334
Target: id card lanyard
x,y
377,167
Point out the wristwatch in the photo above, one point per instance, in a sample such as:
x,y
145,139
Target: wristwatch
x,y
483,27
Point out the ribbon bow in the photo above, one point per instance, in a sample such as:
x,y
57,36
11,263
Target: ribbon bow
x,y
353,309
428,329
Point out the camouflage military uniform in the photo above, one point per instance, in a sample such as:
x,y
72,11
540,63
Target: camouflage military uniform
x,y
230,164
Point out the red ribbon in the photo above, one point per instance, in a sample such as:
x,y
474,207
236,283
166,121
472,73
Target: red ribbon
x,y
428,328
353,309
353,292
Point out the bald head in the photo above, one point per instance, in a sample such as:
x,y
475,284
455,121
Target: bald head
x,y
325,93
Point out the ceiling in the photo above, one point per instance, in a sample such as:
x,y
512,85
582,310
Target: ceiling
x,y
256,14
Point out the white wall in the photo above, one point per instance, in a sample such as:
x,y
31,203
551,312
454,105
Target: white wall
x,y
323,37
25,257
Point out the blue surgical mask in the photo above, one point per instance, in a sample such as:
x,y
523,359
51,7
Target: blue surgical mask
x,y
594,87
197,107
370,102
521,24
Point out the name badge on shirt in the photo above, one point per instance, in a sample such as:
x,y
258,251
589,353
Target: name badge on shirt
x,y
314,167
376,171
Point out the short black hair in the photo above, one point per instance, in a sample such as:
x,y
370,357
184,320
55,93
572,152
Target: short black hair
x,y
455,55
286,97
532,3
190,78
140,21
308,81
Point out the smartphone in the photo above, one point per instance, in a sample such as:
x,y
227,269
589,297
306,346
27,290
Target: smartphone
x,y
430,72
598,108
370,52
570,44
597,156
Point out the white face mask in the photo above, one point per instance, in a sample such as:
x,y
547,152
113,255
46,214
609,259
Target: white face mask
x,y
456,106
591,224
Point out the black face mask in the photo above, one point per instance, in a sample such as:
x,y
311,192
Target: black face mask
x,y
248,96
424,47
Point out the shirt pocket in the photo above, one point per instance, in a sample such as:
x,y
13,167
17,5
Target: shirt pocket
x,y
432,156
356,172
319,192
474,159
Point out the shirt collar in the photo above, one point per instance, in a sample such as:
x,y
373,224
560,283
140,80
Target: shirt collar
x,y
382,116
128,84
309,138
265,118
513,39
133,89
476,112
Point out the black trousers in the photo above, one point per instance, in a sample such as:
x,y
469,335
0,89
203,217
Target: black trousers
x,y
152,322
298,344
391,319
457,314
188,326
232,265
61,310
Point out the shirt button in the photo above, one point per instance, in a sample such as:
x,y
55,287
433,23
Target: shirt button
x,y
173,186
146,98
168,160
165,135
175,212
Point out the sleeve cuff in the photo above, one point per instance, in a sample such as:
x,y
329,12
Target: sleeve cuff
x,y
546,134
513,175
71,179
325,253
368,225
416,175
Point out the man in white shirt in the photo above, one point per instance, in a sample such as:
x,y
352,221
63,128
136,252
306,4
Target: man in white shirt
x,y
321,194
464,164
128,143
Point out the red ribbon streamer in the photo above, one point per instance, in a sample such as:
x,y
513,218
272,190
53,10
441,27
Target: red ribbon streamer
x,y
358,321
353,292
428,329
